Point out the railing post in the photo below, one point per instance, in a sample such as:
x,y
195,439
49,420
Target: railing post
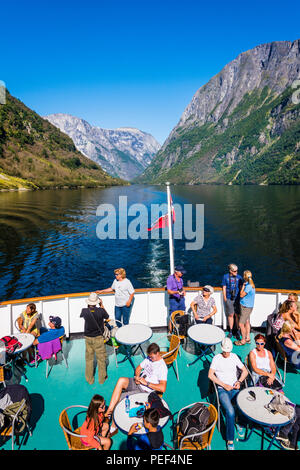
x,y
67,328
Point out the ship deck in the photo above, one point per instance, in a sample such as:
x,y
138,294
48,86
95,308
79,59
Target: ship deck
x,y
67,386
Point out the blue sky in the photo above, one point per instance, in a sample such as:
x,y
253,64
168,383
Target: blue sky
x,y
131,63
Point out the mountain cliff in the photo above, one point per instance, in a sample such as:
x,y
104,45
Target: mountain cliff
x,y
242,127
123,152
34,154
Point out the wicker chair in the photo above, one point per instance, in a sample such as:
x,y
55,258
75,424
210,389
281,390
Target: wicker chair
x,y
73,436
171,355
186,442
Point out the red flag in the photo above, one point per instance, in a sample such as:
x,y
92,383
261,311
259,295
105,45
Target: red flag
x,y
163,221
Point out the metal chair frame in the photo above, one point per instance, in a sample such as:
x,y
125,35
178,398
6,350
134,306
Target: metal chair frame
x,y
210,428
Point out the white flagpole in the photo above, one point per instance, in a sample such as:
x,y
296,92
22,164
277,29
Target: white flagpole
x,y
171,248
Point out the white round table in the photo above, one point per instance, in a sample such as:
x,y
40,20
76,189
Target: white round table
x,y
255,410
207,335
26,339
124,422
133,334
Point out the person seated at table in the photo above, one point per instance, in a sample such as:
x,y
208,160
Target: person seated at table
x,y
151,375
56,330
262,362
293,317
94,427
153,439
204,306
223,372
29,322
289,435
289,344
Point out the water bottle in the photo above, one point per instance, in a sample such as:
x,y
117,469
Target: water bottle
x,y
127,404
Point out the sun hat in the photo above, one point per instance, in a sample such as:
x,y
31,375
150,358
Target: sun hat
x,y
56,321
211,289
226,345
93,299
180,268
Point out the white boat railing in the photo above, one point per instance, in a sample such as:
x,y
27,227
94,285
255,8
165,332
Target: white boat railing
x,y
150,307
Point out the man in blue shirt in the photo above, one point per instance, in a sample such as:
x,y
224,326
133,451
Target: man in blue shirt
x,y
231,284
55,331
176,292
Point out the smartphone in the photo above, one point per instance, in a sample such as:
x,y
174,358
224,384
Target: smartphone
x,y
138,427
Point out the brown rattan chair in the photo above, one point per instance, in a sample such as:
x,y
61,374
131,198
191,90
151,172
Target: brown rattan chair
x,y
73,436
186,442
170,357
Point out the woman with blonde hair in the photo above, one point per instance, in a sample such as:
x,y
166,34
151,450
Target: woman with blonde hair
x,y
124,293
247,296
291,347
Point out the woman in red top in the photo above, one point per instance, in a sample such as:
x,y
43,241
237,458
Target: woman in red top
x,y
93,427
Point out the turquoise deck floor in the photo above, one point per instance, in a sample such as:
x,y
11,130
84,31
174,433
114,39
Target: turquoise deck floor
x,y
67,386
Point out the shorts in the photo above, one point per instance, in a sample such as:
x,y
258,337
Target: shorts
x,y
132,388
245,314
231,307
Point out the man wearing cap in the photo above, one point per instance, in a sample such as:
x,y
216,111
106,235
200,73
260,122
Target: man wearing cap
x,y
223,372
232,283
94,341
204,306
55,331
176,292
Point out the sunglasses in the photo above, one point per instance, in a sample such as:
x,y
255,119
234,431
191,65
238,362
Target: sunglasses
x,y
206,290
257,342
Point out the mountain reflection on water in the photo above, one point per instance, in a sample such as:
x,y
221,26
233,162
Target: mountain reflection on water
x,y
48,241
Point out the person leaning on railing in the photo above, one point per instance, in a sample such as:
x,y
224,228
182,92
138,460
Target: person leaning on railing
x,y
124,294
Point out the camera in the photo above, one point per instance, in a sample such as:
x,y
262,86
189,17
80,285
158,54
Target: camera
x,y
181,292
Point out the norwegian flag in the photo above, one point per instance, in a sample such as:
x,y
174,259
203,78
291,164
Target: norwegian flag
x,y
163,221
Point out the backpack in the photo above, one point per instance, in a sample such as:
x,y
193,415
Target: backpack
x,y
182,321
11,343
194,420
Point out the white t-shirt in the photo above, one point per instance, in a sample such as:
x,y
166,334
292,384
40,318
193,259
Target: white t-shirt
x,y
123,290
225,368
155,371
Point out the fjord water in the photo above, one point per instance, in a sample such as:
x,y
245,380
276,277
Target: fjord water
x,y
49,245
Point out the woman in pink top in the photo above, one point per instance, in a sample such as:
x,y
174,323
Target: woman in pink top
x,y
94,427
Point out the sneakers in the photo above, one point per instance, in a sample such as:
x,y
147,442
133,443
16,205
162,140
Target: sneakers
x,y
287,445
282,438
240,431
230,446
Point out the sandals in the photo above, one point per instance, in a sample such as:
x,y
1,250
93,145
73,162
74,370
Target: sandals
x,y
239,343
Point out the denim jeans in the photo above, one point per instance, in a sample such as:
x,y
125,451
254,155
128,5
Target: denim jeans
x,y
122,312
226,399
176,305
209,321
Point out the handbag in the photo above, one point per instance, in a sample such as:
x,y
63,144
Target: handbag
x,y
156,402
263,382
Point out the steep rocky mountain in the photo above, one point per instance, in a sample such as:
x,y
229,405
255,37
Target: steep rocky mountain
x,y
242,127
123,152
34,154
